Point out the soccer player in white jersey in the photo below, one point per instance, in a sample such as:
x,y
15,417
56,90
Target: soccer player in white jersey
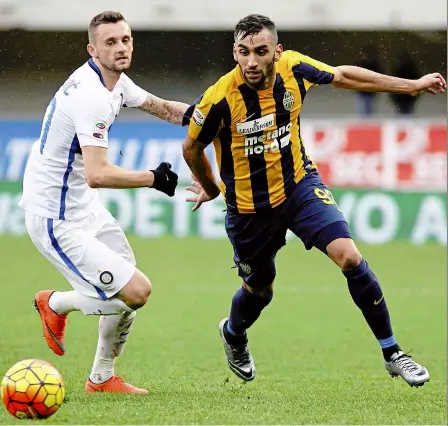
x,y
64,216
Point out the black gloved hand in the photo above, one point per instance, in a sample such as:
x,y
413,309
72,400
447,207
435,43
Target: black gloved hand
x,y
164,179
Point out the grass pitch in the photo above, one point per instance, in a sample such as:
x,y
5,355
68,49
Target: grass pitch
x,y
317,361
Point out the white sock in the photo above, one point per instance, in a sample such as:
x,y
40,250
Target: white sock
x,y
113,334
63,302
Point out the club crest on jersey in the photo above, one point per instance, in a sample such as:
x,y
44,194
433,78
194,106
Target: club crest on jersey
x,y
106,277
288,101
245,267
198,117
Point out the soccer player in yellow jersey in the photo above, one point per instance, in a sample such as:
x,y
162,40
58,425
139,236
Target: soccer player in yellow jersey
x,y
270,185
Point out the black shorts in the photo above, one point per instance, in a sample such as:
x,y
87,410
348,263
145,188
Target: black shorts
x,y
310,212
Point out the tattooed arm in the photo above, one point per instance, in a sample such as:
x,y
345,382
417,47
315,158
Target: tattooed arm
x,y
170,111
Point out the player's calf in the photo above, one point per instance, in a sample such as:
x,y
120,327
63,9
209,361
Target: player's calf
x,y
113,333
368,296
137,291
366,292
247,305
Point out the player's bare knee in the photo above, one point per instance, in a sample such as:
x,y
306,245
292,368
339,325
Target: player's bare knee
x,y
137,291
344,253
141,294
350,258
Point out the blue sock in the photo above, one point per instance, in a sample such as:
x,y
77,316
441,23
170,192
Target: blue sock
x,y
368,296
246,308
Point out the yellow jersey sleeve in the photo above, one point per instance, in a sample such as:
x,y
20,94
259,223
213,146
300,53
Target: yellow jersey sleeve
x,y
204,117
315,72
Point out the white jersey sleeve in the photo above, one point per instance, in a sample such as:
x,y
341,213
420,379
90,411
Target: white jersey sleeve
x,y
92,122
134,96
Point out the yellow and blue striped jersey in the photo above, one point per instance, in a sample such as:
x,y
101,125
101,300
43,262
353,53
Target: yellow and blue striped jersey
x,y
256,134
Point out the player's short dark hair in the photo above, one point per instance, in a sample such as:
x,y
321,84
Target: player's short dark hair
x,y
252,25
107,17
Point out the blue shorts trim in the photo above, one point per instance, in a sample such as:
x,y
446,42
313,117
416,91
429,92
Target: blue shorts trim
x,y
66,260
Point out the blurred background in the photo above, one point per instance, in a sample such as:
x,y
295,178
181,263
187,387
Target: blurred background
x,y
384,156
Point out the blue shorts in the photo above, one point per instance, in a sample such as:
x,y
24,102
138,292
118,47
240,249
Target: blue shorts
x,y
310,212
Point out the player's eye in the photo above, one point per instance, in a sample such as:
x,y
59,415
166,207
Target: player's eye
x,y
110,43
262,52
243,52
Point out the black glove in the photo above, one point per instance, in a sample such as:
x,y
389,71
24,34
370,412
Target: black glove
x,y
164,179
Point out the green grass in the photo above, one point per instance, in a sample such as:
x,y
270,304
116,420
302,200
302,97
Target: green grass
x,y
317,361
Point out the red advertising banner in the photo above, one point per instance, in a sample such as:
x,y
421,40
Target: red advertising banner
x,y
396,154
404,155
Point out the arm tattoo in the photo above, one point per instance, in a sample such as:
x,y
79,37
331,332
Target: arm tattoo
x,y
170,111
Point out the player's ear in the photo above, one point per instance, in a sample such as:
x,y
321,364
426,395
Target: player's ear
x,y
234,52
91,50
278,52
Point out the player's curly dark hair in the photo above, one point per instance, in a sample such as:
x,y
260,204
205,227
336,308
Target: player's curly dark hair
x,y
107,17
252,25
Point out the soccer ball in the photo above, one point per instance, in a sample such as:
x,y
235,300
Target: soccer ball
x,y
32,389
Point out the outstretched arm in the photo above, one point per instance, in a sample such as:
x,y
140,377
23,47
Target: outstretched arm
x,y
170,111
357,78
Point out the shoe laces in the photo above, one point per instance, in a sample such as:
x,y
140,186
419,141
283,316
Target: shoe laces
x,y
241,354
405,362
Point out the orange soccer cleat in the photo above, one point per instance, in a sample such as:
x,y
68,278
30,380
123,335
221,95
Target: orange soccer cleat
x,y
114,384
53,323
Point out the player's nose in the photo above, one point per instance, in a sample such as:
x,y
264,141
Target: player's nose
x,y
121,47
252,62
